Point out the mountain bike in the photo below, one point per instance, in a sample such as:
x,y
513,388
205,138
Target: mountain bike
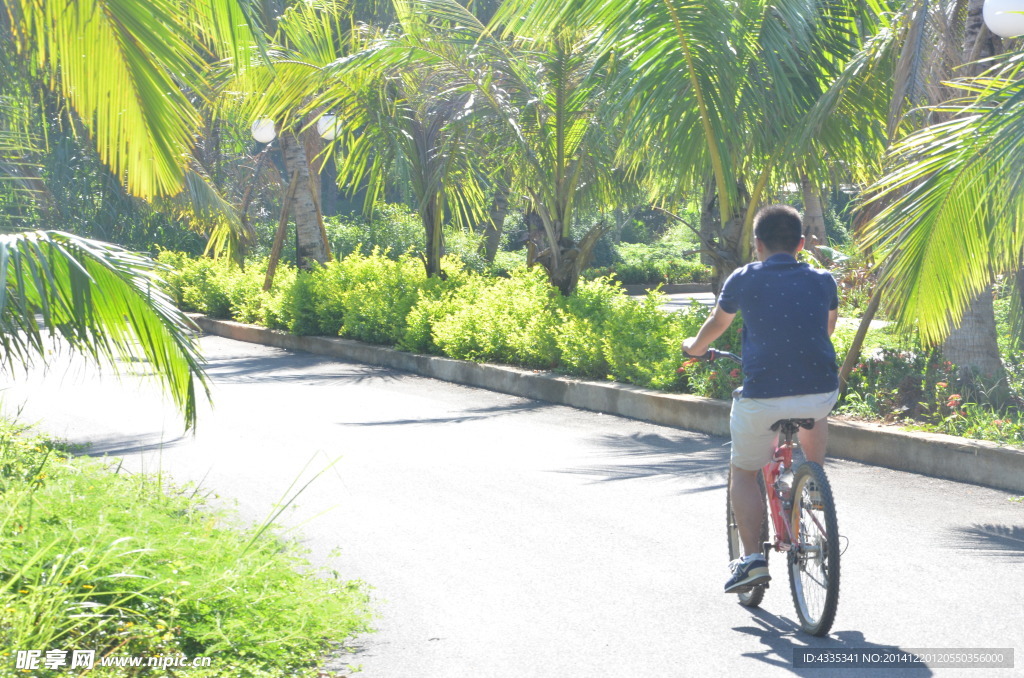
x,y
802,512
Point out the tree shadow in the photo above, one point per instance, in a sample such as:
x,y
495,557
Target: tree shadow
x,y
121,445
1001,541
475,414
296,368
783,639
654,455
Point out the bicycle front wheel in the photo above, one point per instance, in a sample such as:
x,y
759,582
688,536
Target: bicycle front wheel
x,y
814,559
752,597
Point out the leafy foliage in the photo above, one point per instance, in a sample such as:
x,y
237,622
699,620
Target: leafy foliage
x,y
117,562
953,204
101,300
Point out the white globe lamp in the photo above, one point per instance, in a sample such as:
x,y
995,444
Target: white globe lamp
x,y
263,130
1005,18
327,127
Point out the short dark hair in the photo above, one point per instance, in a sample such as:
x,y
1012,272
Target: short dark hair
x,y
779,227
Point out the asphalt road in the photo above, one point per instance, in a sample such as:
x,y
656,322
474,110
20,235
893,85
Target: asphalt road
x,y
512,538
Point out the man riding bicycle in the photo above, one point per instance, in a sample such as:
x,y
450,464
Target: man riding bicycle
x,y
789,313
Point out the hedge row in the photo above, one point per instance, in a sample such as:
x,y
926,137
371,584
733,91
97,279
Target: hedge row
x,y
599,332
521,320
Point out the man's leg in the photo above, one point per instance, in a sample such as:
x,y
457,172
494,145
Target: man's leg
x,y
747,508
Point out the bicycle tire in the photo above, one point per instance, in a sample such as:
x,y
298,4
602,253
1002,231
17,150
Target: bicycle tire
x,y
753,597
814,563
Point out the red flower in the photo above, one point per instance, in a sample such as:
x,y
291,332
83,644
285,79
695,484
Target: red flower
x,y
954,400
714,374
942,384
687,365
734,373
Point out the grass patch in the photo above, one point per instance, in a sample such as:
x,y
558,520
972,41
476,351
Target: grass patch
x,y
97,559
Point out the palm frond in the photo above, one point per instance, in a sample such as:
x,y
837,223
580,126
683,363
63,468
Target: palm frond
x,y
119,63
209,212
103,301
955,220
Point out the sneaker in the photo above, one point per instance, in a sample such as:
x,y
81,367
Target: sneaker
x,y
747,573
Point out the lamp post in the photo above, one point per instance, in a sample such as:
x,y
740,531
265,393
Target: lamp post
x,y
1005,18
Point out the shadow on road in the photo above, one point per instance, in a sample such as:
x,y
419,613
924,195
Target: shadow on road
x,y
1005,541
654,455
121,444
475,414
281,367
783,638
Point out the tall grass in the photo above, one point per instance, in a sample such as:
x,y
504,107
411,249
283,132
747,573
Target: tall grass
x,y
98,559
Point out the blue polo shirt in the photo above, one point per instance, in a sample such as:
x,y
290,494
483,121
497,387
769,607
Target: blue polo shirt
x,y
785,306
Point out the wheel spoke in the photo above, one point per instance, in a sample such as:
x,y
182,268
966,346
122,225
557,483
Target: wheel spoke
x,y
814,565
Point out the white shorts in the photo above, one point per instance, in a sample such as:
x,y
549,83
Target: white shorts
x,y
751,420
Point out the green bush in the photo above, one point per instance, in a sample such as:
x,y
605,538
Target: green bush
x,y
652,264
643,342
436,299
298,310
510,320
203,290
220,288
580,337
380,295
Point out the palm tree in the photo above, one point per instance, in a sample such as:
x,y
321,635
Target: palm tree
x,y
398,118
278,84
129,94
101,300
739,98
543,103
953,220
938,41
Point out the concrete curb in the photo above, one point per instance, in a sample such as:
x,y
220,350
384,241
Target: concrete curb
x,y
961,459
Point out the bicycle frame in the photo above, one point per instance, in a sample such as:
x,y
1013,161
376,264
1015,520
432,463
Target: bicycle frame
x,y
782,460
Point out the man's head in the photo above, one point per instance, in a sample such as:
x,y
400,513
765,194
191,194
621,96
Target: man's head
x,y
777,228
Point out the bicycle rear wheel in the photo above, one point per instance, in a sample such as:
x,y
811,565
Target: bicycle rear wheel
x,y
752,597
814,562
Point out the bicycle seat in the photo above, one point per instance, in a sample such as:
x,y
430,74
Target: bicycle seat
x,y
792,425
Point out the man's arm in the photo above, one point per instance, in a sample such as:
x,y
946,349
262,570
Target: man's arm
x,y
833,316
717,323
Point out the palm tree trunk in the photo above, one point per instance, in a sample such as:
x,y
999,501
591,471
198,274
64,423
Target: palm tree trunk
x,y
973,343
853,355
496,223
310,244
814,215
431,217
722,245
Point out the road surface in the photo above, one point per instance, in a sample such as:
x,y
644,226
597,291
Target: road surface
x,y
506,537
